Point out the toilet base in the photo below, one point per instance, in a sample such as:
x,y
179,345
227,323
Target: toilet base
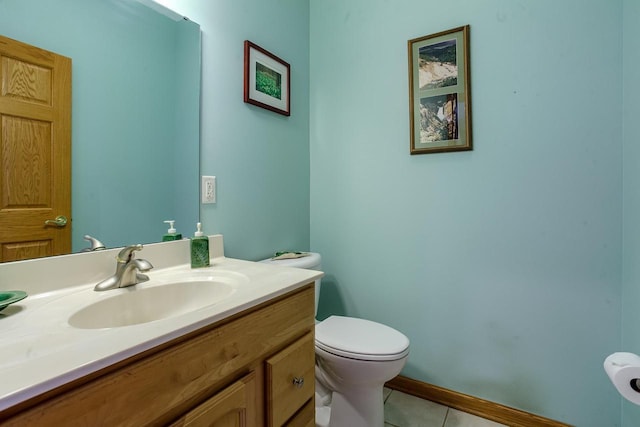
x,y
323,415
362,408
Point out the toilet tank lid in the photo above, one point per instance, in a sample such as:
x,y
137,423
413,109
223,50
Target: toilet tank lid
x,y
309,262
360,337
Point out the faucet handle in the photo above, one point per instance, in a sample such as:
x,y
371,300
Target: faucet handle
x,y
127,253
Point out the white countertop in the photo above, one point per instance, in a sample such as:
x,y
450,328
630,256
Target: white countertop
x,y
40,351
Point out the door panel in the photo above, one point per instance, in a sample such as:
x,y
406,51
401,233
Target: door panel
x,y
26,81
26,163
35,150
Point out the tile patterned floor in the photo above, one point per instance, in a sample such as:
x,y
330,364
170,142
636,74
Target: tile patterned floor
x,y
404,410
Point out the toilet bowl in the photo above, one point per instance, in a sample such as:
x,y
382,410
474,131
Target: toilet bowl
x,y
354,358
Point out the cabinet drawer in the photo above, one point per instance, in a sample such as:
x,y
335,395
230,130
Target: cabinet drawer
x,y
231,407
290,380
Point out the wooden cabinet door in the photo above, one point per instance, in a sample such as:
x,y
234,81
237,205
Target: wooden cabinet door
x,y
290,381
232,407
35,151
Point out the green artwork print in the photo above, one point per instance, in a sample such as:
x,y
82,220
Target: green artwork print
x,y
268,81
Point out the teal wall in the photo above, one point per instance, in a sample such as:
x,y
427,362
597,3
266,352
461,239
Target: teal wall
x,y
503,264
260,158
631,184
134,159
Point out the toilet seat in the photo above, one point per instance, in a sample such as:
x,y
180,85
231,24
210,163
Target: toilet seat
x,y
360,339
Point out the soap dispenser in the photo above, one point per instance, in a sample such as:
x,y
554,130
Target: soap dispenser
x,y
171,232
199,249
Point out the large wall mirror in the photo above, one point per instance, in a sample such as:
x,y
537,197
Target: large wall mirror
x,y
135,112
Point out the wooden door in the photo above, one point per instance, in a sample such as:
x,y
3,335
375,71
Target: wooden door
x,y
35,151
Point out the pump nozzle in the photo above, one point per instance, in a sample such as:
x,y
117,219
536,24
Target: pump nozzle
x,y
171,230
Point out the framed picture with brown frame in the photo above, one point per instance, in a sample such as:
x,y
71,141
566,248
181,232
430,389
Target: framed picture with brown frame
x,y
266,80
440,92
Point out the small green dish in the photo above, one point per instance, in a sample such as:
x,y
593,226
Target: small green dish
x,y
9,297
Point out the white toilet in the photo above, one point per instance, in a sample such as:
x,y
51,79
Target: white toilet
x,y
354,358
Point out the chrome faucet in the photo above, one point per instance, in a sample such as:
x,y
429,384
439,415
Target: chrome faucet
x,y
95,244
128,270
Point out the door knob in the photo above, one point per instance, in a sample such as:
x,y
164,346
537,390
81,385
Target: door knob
x,y
60,221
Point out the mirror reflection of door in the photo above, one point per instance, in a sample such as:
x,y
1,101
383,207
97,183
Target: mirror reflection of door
x,y
35,151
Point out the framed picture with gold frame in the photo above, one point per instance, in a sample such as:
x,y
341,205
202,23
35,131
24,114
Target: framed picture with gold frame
x,y
440,92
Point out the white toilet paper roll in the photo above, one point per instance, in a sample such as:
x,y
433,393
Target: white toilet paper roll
x,y
623,370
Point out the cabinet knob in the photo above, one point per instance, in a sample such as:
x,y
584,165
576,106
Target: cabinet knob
x,y
298,382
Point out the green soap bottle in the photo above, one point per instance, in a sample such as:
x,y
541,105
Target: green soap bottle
x,y
171,232
199,249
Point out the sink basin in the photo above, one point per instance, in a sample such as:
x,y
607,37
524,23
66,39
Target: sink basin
x,y
133,305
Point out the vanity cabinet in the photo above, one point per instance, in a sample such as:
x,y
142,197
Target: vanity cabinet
x,y
255,368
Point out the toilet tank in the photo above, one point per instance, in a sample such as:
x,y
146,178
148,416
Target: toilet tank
x,y
313,261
